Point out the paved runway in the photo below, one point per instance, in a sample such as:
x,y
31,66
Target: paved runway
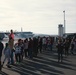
x,y
45,64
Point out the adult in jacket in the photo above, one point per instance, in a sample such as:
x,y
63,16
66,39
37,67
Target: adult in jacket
x,y
1,48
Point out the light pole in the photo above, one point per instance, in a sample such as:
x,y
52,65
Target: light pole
x,y
64,22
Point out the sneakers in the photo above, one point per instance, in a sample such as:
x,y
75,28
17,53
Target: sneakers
x,y
17,62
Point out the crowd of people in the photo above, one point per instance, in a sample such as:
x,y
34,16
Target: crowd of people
x,y
65,46
30,47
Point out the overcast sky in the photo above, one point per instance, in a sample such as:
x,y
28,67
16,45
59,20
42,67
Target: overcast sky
x,y
38,16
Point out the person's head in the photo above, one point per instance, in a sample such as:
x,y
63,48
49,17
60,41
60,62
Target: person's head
x,y
30,39
19,41
11,31
26,40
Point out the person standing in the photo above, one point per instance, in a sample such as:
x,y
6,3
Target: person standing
x,y
60,50
18,51
7,55
30,48
72,46
1,48
26,47
35,47
75,46
11,45
40,44
44,43
66,47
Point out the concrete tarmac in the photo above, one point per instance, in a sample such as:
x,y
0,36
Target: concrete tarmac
x,y
45,64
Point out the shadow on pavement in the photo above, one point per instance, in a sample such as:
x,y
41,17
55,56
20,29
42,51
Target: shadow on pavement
x,y
41,65
3,73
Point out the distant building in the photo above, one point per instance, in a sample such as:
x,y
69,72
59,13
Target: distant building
x,y
60,30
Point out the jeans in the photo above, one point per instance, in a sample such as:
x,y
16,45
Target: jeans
x,y
12,60
30,53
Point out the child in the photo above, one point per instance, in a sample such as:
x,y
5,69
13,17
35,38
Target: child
x,y
7,55
18,51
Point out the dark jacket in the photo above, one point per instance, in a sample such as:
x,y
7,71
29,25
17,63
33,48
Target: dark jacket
x,y
60,47
1,48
